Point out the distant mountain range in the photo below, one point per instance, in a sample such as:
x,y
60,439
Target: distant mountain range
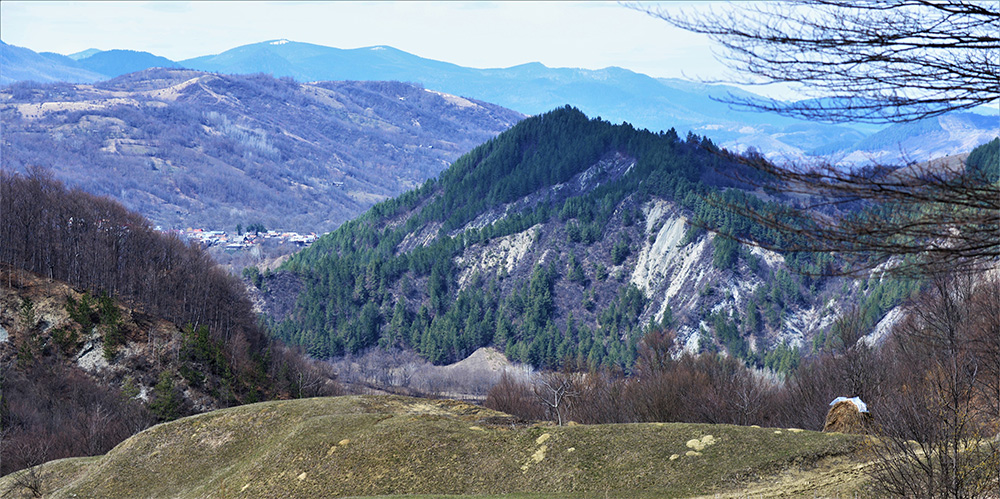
x,y
613,93
21,64
923,140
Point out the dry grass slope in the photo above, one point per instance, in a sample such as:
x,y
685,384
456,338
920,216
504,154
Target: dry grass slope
x,y
388,445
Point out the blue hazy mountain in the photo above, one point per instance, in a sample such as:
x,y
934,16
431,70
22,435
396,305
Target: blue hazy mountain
x,y
61,59
112,63
21,64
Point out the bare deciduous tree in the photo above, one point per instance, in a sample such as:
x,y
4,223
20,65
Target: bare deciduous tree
x,y
30,481
556,390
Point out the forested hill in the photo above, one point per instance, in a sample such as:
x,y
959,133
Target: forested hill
x,y
188,148
564,239
107,326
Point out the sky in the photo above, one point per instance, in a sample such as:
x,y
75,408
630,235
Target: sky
x,y
590,34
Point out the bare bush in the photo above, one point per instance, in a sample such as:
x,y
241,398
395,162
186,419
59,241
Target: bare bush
x,y
604,398
937,436
516,397
312,378
30,481
697,389
88,420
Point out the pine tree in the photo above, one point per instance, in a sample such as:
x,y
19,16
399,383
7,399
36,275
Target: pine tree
x,y
166,403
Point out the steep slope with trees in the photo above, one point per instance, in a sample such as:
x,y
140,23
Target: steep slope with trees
x,y
187,148
563,241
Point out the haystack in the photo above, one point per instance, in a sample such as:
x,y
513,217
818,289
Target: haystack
x,y
844,417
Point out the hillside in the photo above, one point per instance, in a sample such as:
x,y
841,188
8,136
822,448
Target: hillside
x,y
59,365
954,133
187,148
56,331
613,93
107,326
565,239
366,446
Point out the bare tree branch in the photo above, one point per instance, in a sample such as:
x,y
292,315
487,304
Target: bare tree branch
x,y
924,219
873,61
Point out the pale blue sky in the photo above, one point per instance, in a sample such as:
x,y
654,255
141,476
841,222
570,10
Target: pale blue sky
x,y
592,34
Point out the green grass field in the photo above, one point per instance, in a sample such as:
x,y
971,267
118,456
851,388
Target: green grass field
x,y
378,446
